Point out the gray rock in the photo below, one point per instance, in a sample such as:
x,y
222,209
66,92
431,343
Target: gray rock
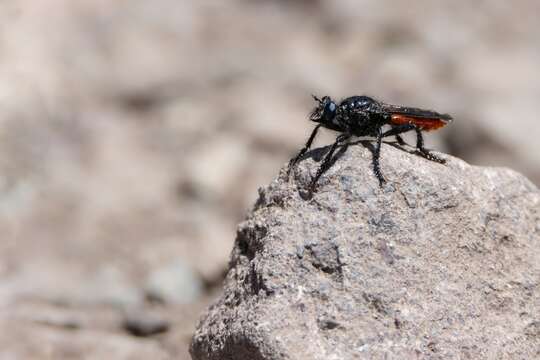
x,y
174,283
441,263
143,322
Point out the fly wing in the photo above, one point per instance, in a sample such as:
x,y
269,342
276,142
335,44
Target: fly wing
x,y
424,119
415,112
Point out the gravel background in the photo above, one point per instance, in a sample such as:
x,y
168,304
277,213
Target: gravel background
x,y
134,136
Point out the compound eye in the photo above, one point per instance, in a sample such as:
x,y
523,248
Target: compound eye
x,y
332,107
329,111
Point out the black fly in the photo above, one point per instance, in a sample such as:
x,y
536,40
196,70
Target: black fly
x,y
364,116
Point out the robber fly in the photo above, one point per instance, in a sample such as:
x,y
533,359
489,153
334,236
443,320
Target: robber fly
x,y
364,116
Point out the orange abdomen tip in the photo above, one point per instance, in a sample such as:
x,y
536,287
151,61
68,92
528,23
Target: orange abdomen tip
x,y
426,124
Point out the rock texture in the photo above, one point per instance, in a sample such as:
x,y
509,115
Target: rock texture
x,y
441,263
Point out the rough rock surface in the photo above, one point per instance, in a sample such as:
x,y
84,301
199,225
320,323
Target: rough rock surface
x,y
441,263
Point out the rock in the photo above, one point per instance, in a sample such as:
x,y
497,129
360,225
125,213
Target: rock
x,y
141,322
443,262
174,283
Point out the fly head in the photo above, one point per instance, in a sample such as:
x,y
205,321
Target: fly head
x,y
325,111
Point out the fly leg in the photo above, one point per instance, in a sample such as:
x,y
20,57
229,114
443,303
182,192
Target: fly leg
x,y
420,149
376,157
306,147
400,140
396,130
327,162
399,129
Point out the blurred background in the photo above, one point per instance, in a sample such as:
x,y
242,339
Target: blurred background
x,y
134,136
